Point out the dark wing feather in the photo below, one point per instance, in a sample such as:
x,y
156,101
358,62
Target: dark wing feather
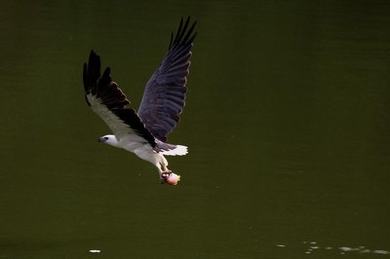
x,y
165,92
106,99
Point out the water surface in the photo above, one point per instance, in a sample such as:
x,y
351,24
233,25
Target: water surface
x,y
287,122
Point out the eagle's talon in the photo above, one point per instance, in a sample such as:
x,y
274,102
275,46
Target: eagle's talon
x,y
165,175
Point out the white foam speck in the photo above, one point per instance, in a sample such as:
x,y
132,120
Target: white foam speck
x,y
280,245
95,251
345,249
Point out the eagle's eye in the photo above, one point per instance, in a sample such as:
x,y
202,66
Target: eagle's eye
x,y
105,138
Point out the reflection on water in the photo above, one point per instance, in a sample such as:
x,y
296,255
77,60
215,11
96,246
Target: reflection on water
x,y
312,247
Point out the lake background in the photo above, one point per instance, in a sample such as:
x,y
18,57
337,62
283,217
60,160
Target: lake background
x,y
287,121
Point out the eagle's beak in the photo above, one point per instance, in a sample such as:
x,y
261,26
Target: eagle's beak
x,y
100,140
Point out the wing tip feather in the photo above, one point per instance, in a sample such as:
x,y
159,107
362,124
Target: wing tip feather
x,y
183,35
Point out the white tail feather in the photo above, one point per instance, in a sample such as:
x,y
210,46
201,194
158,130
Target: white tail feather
x,y
178,151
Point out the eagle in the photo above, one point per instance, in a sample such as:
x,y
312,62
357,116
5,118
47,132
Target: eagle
x,y
144,132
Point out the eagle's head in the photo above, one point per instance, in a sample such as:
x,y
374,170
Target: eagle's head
x,y
108,139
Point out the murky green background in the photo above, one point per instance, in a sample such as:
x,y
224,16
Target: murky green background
x,y
287,120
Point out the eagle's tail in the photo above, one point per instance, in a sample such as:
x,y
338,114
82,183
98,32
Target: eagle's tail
x,y
179,150
170,149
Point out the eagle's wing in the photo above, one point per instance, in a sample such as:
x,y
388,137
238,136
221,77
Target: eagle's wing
x,y
165,92
108,101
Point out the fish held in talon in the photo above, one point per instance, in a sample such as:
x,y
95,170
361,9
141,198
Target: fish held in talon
x,y
144,131
170,178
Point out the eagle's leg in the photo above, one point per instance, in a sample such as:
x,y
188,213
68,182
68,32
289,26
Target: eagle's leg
x,y
162,165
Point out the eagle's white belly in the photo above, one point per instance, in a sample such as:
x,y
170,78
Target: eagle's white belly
x,y
146,152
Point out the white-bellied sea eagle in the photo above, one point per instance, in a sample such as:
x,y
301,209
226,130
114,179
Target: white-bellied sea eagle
x,y
144,132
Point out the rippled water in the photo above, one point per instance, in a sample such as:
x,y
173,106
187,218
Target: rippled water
x,y
312,247
287,122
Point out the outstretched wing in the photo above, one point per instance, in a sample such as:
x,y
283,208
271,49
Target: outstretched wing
x,y
109,102
165,92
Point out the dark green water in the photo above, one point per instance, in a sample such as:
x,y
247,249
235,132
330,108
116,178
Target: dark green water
x,y
287,122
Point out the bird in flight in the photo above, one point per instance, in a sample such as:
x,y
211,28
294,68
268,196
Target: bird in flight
x,y
144,132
